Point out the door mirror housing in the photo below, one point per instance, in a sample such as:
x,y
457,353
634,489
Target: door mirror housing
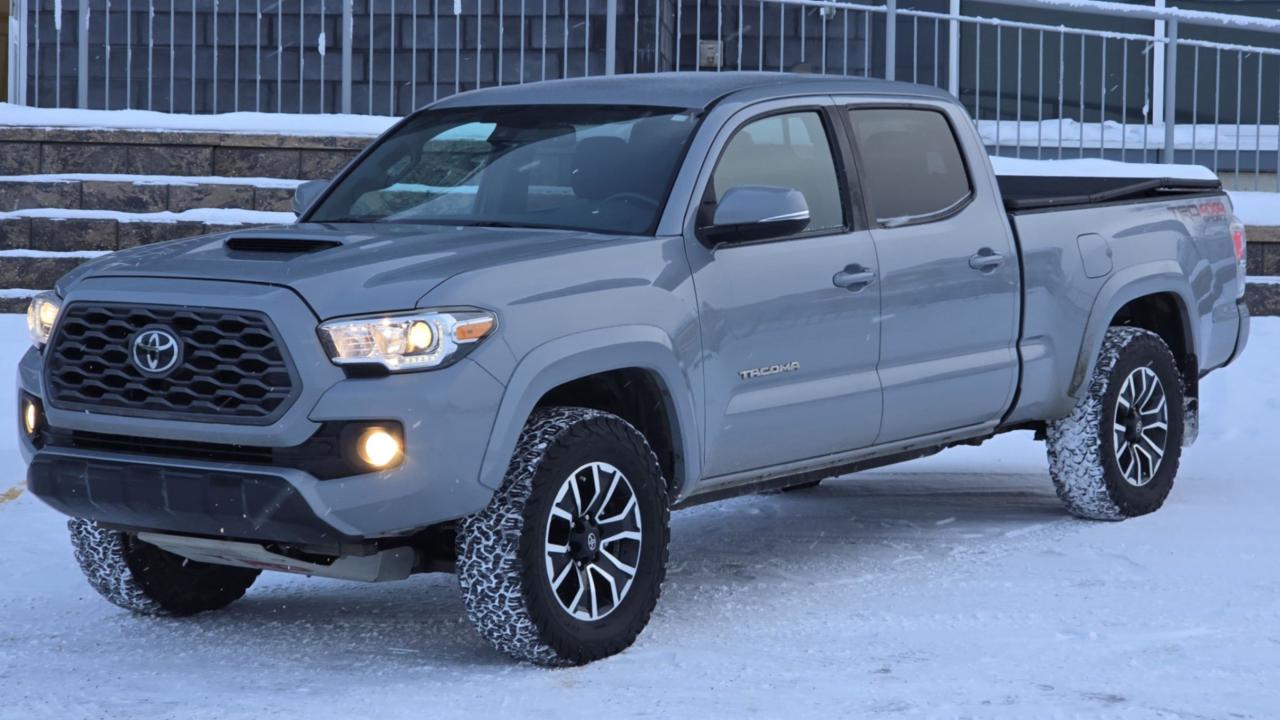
x,y
757,212
307,193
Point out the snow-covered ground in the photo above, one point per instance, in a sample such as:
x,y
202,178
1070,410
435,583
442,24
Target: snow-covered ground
x,y
949,587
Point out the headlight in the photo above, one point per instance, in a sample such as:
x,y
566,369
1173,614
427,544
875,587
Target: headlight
x,y
409,341
42,313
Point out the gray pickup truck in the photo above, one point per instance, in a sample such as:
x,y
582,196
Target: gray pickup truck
x,y
528,322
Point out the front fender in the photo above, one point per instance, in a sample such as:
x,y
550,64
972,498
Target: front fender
x,y
1165,276
586,353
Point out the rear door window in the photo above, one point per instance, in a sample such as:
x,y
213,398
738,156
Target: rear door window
x,y
912,165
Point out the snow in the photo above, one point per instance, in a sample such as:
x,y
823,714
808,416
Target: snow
x,y
1132,135
213,216
949,587
1259,209
239,122
1191,17
281,183
10,293
1093,167
53,253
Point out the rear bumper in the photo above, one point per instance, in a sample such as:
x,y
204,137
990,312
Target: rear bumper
x,y
191,499
1242,334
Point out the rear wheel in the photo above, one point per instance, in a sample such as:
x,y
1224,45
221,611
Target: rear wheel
x,y
1116,455
567,562
141,577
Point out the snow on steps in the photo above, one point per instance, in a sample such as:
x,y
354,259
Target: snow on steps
x,y
37,246
144,193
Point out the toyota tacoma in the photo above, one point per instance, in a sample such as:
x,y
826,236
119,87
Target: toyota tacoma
x,y
528,322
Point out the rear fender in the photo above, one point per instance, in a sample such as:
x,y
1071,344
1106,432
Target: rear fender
x,y
1165,276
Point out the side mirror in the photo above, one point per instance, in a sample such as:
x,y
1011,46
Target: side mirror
x,y
306,193
758,212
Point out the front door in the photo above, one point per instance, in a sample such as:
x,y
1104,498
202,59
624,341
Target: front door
x,y
790,335
948,271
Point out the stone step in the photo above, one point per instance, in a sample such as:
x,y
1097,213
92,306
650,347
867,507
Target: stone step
x,y
144,194
95,231
31,150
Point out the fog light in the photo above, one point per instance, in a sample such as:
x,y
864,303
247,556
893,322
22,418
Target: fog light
x,y
30,416
379,448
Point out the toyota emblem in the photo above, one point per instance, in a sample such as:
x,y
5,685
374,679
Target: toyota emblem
x,y
155,351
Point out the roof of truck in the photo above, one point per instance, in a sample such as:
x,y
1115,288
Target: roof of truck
x,y
681,89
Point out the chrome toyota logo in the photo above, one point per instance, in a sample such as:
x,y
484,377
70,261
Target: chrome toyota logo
x,y
155,351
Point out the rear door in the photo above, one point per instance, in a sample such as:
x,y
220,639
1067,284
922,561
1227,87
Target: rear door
x,y
790,343
949,275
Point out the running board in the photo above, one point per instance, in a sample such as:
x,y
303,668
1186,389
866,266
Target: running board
x,y
394,564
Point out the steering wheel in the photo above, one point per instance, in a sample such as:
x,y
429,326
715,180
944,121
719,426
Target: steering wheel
x,y
630,197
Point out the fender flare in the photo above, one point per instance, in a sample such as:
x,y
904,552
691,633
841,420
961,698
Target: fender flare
x,y
587,353
1154,278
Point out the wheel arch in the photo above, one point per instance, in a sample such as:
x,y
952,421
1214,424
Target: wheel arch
x,y
1154,296
631,371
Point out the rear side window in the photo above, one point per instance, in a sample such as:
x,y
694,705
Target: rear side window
x,y
788,151
911,162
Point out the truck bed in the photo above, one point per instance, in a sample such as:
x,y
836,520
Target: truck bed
x,y
1022,193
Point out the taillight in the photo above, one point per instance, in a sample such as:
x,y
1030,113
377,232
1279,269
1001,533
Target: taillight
x,y
1241,242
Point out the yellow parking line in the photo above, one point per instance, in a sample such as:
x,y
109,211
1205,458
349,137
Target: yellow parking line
x,y
11,494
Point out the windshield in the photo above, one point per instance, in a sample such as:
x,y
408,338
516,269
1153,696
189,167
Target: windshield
x,y
605,169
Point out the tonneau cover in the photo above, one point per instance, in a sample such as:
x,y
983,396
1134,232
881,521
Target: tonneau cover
x,y
1038,192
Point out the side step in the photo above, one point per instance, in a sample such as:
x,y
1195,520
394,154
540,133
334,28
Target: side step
x,y
394,564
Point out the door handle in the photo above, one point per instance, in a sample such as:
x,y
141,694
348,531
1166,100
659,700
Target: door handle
x,y
986,260
854,278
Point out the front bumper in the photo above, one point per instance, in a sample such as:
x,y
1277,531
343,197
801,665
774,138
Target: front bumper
x,y
150,494
447,417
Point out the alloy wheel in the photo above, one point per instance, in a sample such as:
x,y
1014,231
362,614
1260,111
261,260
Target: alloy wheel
x,y
593,541
1141,426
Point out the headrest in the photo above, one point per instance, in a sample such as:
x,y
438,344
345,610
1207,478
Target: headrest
x,y
597,167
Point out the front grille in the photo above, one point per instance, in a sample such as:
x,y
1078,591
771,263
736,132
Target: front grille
x,y
233,367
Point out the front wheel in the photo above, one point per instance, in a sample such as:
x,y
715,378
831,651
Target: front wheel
x,y
144,579
566,563
1116,455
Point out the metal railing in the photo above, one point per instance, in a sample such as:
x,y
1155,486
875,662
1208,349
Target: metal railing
x,y
1076,84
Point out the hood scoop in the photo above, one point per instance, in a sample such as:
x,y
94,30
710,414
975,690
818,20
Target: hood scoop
x,y
280,244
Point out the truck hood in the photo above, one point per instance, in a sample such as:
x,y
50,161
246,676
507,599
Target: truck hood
x,y
346,269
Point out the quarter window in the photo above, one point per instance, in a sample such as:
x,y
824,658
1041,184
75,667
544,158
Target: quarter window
x,y
790,151
911,162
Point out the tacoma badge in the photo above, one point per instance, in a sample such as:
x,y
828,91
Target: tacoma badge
x,y
768,370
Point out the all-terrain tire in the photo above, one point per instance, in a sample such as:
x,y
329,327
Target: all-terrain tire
x,y
144,579
502,561
1083,461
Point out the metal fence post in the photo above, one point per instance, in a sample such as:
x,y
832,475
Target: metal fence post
x,y
1168,154
890,39
611,37
348,32
17,80
82,57
953,50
